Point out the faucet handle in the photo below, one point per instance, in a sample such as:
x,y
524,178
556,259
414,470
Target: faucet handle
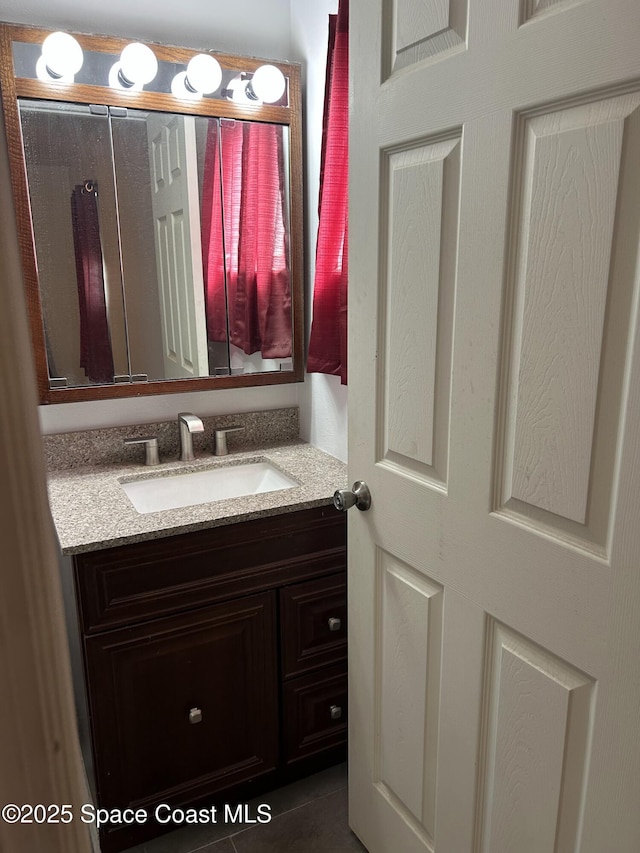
x,y
151,448
220,435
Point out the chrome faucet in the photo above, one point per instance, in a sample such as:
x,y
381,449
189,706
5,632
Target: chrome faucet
x,y
188,424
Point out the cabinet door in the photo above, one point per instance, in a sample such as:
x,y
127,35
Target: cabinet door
x,y
314,624
184,706
315,713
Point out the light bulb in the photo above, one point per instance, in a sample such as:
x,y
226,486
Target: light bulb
x,y
138,64
203,76
116,80
180,89
238,91
203,73
61,58
268,83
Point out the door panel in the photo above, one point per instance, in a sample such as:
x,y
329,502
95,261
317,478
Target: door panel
x,y
410,627
422,30
421,203
572,165
537,718
535,8
176,213
493,590
571,180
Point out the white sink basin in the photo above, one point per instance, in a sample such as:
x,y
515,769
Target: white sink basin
x,y
198,487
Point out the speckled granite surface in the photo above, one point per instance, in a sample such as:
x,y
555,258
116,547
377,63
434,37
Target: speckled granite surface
x,y
91,511
106,446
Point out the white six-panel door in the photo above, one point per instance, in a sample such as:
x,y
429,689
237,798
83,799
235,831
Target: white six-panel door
x,y
175,204
494,411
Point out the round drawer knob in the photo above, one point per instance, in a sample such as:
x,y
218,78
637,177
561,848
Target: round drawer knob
x,y
335,624
335,711
195,716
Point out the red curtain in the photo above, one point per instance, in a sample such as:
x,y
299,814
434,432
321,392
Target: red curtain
x,y
244,190
96,357
213,260
328,343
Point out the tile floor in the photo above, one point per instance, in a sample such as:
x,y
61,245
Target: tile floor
x,y
309,816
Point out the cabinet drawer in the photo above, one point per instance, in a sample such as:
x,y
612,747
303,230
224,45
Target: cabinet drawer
x,y
141,581
184,698
314,624
315,713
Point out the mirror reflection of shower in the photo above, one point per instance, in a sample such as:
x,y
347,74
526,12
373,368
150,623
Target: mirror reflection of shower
x,y
96,357
157,317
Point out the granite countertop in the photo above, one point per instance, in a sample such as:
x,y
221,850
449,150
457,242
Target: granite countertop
x,y
91,511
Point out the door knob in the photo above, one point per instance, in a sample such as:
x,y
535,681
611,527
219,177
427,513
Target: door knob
x,y
195,716
359,496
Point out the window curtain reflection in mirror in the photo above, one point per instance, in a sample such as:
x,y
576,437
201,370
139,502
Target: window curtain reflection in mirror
x,y
328,343
96,357
244,187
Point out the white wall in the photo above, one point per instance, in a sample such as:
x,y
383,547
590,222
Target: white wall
x,y
68,417
279,29
251,27
322,399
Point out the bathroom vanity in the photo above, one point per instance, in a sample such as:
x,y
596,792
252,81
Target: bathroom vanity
x,y
214,658
213,652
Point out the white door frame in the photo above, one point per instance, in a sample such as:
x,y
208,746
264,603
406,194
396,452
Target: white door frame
x,y
38,732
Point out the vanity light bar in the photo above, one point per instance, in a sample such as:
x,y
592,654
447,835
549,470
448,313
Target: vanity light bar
x,y
137,66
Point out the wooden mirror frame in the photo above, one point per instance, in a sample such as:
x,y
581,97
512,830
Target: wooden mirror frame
x,y
291,116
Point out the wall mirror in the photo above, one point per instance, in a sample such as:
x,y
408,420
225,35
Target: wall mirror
x,y
160,220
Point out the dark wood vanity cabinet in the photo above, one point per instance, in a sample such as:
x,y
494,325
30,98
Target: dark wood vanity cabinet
x,y
215,663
